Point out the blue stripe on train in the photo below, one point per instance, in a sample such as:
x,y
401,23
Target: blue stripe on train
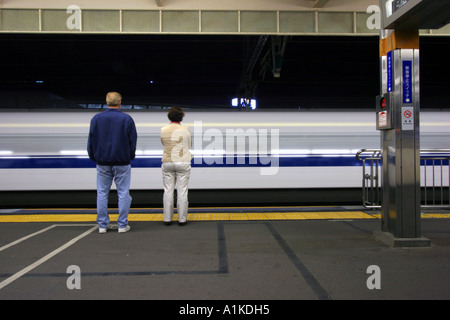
x,y
64,162
61,162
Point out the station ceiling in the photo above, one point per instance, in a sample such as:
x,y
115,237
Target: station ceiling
x,y
195,4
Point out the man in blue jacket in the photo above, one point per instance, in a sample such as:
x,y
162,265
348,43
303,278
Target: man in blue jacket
x,y
112,145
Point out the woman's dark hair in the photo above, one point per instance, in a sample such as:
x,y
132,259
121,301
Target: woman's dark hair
x,y
175,114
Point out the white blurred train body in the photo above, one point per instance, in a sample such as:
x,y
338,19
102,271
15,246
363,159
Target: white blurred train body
x,y
232,150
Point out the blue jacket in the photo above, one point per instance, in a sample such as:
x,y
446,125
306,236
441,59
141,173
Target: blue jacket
x,y
112,138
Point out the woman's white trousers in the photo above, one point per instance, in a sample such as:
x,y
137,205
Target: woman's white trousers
x,y
176,175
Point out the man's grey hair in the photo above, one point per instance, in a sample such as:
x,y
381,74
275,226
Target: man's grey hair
x,y
113,99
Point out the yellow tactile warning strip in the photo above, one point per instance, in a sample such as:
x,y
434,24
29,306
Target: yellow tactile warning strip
x,y
436,215
191,217
46,215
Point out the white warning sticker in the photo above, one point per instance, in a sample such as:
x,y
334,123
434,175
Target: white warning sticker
x,y
407,118
382,119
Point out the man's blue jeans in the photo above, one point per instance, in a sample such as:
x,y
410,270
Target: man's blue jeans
x,y
122,177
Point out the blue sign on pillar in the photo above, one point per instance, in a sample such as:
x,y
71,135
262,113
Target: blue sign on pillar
x,y
407,82
389,71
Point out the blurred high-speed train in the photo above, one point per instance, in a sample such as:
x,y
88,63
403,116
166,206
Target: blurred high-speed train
x,y
240,157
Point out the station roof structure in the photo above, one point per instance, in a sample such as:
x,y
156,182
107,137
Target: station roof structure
x,y
280,17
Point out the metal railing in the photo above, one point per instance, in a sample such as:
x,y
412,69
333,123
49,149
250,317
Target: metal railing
x,y
434,177
371,177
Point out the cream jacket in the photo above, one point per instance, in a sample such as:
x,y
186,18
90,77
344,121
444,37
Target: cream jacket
x,y
176,140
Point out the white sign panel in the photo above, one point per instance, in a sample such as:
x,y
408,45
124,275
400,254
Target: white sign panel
x,y
382,119
407,118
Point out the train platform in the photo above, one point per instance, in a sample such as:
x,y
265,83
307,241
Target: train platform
x,y
255,254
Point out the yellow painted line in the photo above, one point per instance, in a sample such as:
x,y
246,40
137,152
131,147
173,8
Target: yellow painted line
x,y
225,216
236,216
212,216
351,215
51,218
218,216
436,215
275,216
190,208
198,217
255,216
145,217
294,216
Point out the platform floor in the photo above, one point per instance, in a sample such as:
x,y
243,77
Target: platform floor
x,y
259,254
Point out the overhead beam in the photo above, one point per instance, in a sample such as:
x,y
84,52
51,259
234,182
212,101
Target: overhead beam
x,y
161,21
318,3
278,48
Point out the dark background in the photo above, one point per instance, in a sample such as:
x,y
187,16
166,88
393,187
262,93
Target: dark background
x,y
204,71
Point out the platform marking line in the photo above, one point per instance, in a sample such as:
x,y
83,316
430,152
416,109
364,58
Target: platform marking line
x,y
222,261
45,258
307,275
26,237
222,249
